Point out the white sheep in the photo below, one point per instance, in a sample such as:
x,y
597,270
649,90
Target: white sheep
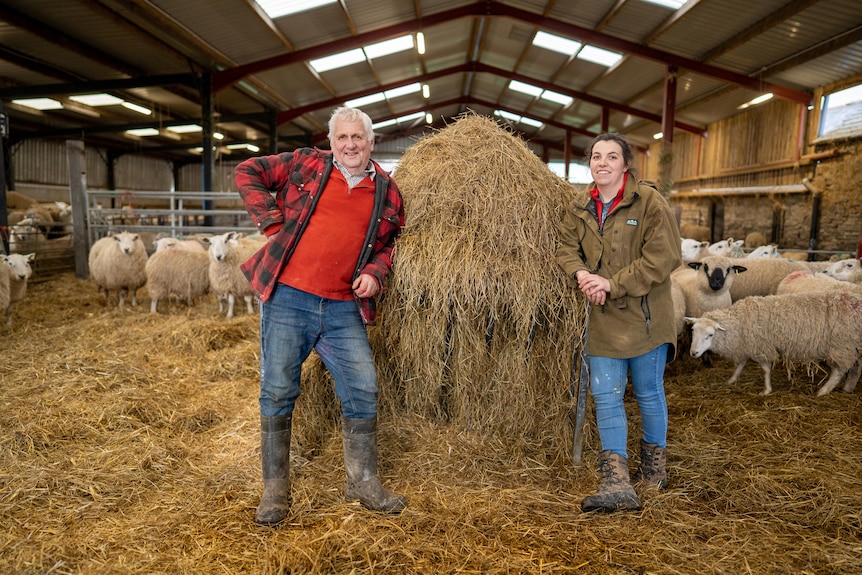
x,y
801,327
762,276
26,236
227,252
16,270
167,243
805,281
847,270
764,251
693,250
725,248
118,262
177,271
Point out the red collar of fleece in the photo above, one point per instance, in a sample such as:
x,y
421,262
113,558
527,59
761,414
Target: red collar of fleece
x,y
594,193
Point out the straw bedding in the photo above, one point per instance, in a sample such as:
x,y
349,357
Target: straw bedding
x,y
129,444
129,441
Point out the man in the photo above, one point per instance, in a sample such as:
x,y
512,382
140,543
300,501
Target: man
x,y
331,219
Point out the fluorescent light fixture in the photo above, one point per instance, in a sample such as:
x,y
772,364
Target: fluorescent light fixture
x,y
244,146
518,119
403,90
525,88
136,108
758,100
657,136
185,129
420,42
410,117
40,103
252,148
389,46
365,100
143,132
557,97
556,43
426,91
339,60
675,4
277,8
218,136
429,119
96,99
599,56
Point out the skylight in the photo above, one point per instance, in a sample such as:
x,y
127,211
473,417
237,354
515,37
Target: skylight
x,y
185,128
389,46
136,108
518,119
674,4
40,103
359,54
392,122
96,99
339,60
525,88
556,43
278,8
599,56
387,95
536,91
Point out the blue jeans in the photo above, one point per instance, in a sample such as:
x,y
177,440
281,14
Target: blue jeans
x,y
608,385
292,323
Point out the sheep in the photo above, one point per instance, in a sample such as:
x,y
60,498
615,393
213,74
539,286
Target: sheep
x,y
764,251
26,236
177,271
161,244
118,262
846,270
227,251
706,286
16,271
693,250
806,281
678,298
724,247
794,255
755,239
762,276
694,231
800,327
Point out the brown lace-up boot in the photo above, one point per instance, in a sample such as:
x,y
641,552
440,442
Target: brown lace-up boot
x,y
653,465
615,493
360,460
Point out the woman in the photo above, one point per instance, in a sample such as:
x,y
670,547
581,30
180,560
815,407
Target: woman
x,y
619,242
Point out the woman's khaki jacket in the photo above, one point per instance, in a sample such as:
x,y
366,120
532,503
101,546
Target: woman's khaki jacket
x,y
636,251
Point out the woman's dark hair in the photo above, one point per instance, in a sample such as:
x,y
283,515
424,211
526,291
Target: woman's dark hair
x,y
628,153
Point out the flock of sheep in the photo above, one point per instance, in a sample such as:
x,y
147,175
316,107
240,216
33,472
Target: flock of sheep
x,y
187,269
764,307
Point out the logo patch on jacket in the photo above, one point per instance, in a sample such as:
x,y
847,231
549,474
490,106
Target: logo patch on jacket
x,y
631,222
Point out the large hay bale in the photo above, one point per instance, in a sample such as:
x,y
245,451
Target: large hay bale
x,y
478,323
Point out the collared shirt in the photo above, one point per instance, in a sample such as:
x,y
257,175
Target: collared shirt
x,y
353,180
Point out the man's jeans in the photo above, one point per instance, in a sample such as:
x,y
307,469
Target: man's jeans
x,y
608,384
292,323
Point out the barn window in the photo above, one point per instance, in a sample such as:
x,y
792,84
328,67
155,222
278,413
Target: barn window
x,y
841,115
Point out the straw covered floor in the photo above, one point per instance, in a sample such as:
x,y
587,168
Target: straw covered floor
x,y
129,441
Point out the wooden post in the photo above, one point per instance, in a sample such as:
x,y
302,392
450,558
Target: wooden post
x,y
78,195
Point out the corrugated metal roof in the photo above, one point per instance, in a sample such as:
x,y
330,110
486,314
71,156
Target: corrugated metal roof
x,y
474,49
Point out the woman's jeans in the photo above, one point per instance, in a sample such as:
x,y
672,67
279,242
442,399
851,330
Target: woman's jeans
x,y
292,323
608,384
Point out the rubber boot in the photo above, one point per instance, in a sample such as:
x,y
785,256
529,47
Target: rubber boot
x,y
653,466
615,493
360,460
275,464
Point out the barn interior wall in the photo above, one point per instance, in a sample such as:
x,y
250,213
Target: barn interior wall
x,y
761,148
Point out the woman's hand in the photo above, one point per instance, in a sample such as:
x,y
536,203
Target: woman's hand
x,y
595,287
